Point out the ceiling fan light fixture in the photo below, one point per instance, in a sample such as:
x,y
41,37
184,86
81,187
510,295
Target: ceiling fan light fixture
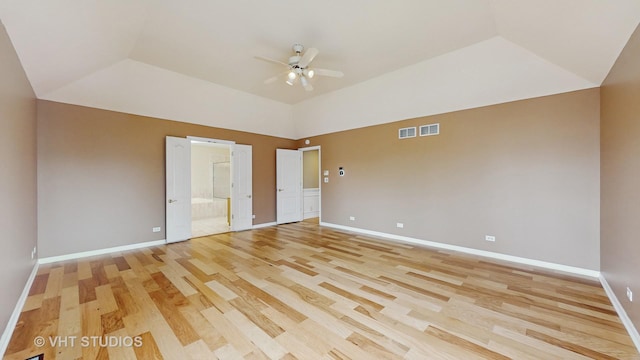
x,y
292,76
292,81
304,81
309,73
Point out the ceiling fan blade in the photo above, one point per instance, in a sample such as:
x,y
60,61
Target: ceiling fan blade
x,y
271,60
271,80
308,57
274,78
330,73
308,87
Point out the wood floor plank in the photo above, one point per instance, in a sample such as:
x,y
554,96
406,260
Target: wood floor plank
x,y
54,283
296,347
106,300
39,284
33,302
207,333
148,349
121,352
228,352
91,327
199,350
302,291
180,326
569,346
263,340
69,323
237,341
349,295
384,337
466,344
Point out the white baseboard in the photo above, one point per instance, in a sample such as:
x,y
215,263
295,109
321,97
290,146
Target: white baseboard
x,y
264,225
83,254
13,320
626,321
515,259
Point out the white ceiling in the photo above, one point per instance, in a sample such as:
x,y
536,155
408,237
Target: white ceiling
x,y
62,44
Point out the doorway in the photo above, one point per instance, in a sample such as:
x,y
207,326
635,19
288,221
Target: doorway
x,y
311,181
180,199
298,195
210,188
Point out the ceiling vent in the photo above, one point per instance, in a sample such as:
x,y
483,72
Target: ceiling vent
x,y
431,129
408,132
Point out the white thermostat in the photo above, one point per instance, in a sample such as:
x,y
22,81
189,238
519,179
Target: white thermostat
x,y
341,171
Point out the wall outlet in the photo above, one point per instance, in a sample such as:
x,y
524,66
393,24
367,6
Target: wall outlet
x,y
400,225
33,252
352,218
629,294
156,229
490,238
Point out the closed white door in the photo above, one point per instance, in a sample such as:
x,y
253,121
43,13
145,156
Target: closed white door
x,y
289,186
178,192
241,188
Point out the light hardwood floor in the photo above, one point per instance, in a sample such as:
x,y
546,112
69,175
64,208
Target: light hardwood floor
x,y
304,291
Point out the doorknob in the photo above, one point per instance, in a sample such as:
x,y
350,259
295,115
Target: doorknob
x,y
249,196
280,189
172,201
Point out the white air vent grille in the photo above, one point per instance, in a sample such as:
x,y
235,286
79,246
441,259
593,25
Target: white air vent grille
x,y
407,133
431,129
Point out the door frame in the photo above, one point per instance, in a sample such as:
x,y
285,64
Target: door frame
x,y
231,144
208,140
220,144
311,148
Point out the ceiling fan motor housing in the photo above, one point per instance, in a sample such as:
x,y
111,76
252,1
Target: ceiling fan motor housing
x,y
294,60
297,48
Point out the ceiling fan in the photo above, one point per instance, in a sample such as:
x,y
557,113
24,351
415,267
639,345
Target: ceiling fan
x,y
299,69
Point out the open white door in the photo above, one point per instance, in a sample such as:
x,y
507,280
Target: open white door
x,y
289,186
241,188
178,172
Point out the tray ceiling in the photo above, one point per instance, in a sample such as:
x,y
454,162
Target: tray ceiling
x,y
62,42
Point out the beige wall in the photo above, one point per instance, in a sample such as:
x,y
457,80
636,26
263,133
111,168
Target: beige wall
x,y
101,176
310,175
620,152
526,172
18,179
